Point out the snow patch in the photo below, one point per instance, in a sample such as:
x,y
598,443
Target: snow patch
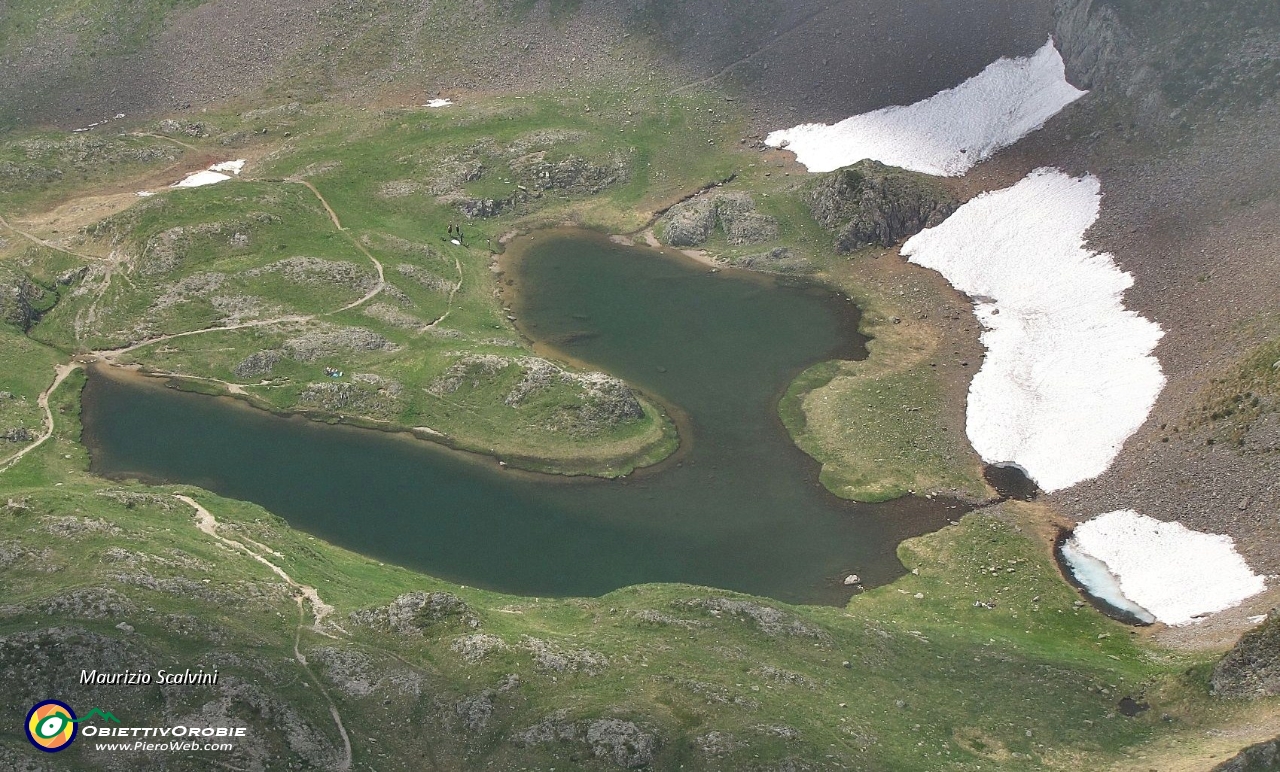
x,y
951,131
211,176
200,179
1069,374
1177,574
439,102
235,167
1098,580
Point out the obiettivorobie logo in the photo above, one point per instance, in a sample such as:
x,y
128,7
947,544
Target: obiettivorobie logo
x,y
51,725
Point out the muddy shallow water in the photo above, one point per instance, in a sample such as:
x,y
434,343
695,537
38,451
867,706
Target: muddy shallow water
x,y
739,507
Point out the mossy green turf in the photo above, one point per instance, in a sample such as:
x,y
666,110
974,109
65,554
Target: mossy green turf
x,y
933,681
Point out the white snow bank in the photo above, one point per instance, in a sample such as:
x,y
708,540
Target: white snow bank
x,y
1094,575
211,176
950,131
1172,571
1069,373
235,167
439,103
200,179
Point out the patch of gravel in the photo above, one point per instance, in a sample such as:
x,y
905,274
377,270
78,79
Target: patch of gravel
x,y
779,675
541,139
133,499
232,308
257,595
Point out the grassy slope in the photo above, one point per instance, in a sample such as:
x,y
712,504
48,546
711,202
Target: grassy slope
x,y
932,680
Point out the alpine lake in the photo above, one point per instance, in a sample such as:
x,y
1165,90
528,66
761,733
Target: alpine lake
x,y
737,507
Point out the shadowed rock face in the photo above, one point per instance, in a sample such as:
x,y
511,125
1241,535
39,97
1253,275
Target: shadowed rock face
x,y
806,59
17,293
870,203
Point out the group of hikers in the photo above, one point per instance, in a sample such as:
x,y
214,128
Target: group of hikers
x,y
455,233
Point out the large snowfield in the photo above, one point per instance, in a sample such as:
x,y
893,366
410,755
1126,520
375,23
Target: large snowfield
x,y
1166,568
1069,373
947,133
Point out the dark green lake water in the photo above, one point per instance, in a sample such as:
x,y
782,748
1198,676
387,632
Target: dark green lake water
x,y
739,507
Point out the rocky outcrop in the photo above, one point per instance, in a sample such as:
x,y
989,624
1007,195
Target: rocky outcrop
x,y
17,434
18,294
599,401
367,394
691,223
329,342
1252,667
574,175
417,612
258,363
623,743
771,621
316,271
870,204
1263,757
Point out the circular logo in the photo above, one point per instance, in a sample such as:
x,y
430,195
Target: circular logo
x,y
51,726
